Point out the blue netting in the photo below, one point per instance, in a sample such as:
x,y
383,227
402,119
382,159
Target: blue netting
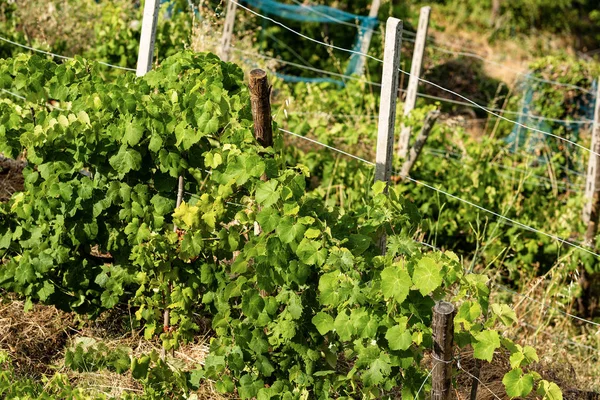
x,y
366,25
522,138
296,79
320,14
316,13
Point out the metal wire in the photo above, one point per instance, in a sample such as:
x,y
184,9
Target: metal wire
x,y
420,79
516,223
25,99
507,290
58,55
477,56
427,96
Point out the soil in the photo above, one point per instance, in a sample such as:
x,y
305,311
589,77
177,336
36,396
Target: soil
x,y
11,177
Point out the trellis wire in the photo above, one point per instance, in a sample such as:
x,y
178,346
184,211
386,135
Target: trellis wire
x,y
516,223
420,79
427,96
507,290
60,56
461,53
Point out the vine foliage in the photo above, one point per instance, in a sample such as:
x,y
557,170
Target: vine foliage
x,y
305,307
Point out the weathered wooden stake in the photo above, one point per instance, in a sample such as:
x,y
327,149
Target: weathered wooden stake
x,y
430,119
366,39
443,335
260,99
387,107
413,81
148,37
228,30
592,184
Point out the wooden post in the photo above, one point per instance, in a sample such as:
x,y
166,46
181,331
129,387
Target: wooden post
x,y
260,99
148,37
592,183
430,119
366,39
443,335
387,107
413,81
228,30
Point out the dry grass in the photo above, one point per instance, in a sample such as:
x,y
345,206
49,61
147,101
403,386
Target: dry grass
x,y
34,339
11,177
514,54
37,341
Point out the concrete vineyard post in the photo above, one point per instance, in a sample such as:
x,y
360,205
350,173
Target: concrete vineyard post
x,y
592,184
148,37
387,106
588,300
413,81
366,40
443,336
228,30
387,101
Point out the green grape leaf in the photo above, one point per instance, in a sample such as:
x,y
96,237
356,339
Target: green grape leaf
x,y
268,219
267,193
518,384
378,370
343,327
323,322
139,367
311,253
46,290
395,283
133,132
486,342
549,390
126,160
252,303
427,275
506,314
288,231
399,338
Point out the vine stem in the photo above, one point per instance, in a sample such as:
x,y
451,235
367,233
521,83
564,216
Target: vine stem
x,y
166,313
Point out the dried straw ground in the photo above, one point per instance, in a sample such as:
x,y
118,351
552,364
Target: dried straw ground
x,y
37,341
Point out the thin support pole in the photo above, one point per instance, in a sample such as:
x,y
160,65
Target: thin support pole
x,y
428,124
443,336
366,39
228,30
166,312
413,81
148,37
